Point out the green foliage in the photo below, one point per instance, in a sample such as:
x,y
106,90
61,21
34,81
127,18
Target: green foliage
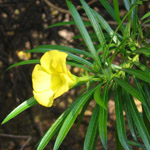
x,y
23,106
126,81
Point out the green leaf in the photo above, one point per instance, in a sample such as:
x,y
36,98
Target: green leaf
x,y
83,31
92,129
55,127
139,74
127,4
52,131
71,118
81,115
146,21
120,119
137,144
130,89
79,66
80,60
95,140
142,67
147,106
127,31
143,50
138,122
118,27
145,16
94,22
103,113
108,7
67,23
130,121
146,87
146,119
106,26
23,106
134,16
117,142
98,98
117,13
45,48
34,61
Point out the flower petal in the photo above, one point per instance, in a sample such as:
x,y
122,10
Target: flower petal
x,y
44,98
41,79
64,86
56,82
54,62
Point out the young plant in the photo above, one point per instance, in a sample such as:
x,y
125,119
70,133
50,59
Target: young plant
x,y
127,81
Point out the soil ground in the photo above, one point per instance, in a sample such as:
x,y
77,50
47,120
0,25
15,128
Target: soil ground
x,y
23,27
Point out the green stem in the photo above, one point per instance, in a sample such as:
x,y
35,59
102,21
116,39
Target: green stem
x,y
85,78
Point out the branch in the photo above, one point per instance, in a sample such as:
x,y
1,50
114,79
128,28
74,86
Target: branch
x,y
55,7
64,10
18,137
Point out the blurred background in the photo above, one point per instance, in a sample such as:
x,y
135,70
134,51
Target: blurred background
x,y
23,26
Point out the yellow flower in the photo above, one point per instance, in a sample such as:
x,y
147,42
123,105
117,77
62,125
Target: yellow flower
x,y
51,78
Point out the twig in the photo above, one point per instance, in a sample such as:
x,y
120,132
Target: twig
x,y
18,137
64,10
55,7
89,3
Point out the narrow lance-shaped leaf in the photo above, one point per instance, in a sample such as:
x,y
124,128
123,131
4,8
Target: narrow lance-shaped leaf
x,y
106,26
138,121
130,121
79,66
120,119
127,4
147,89
146,21
98,98
94,22
67,23
143,50
146,108
34,61
142,67
117,142
83,31
127,31
129,89
134,16
55,127
108,7
71,118
81,115
52,131
79,59
139,74
117,14
92,129
103,114
23,106
118,27
45,48
145,16
137,144
95,140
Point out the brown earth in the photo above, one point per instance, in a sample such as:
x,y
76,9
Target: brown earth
x,y
22,27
